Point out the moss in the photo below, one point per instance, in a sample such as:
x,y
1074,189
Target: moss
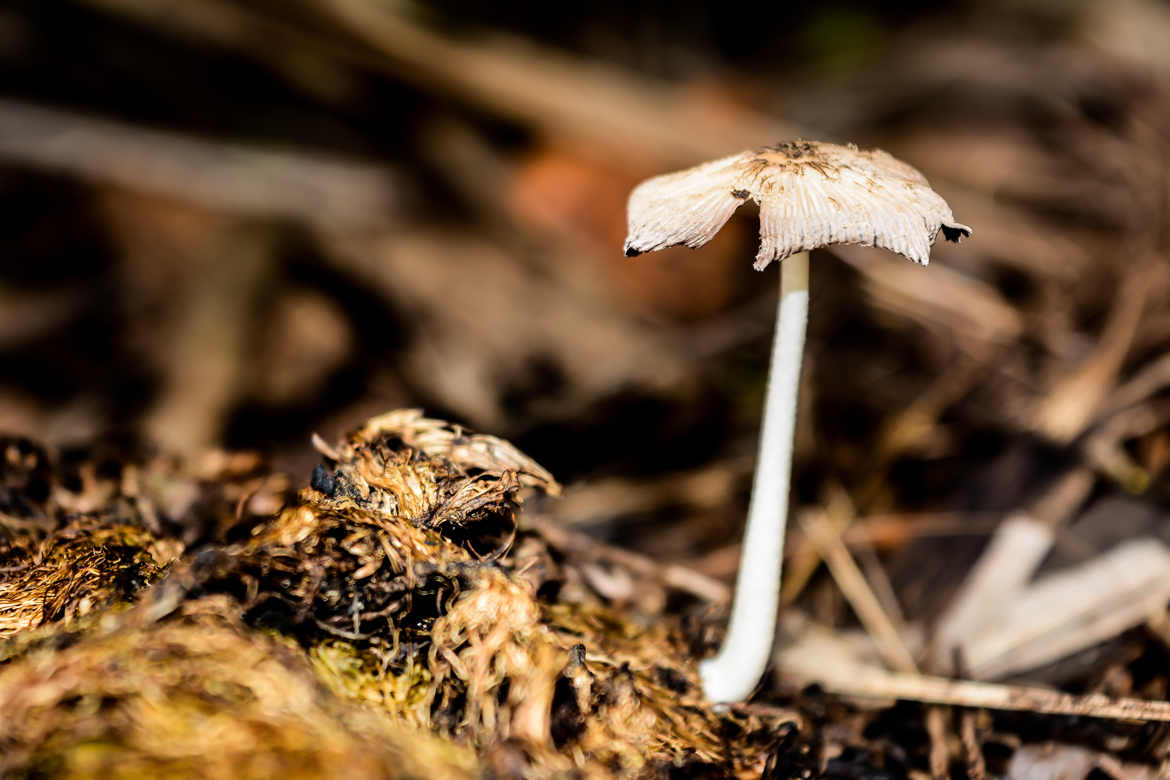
x,y
197,694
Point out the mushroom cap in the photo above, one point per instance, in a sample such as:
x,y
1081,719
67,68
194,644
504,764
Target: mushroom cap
x,y
811,194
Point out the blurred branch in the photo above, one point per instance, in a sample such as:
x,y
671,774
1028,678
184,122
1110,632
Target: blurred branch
x,y
1070,407
223,176
1105,449
1150,380
940,296
208,339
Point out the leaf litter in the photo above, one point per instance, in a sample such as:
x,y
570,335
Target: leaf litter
x,y
377,621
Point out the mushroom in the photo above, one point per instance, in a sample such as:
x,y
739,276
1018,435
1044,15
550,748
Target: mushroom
x,y
810,195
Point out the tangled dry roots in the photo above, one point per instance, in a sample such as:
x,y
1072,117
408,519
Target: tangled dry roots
x,y
391,576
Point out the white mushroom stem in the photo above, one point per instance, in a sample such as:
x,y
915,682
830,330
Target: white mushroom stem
x,y
733,674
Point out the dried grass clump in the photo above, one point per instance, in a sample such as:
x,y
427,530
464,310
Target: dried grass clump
x,y
431,474
87,566
197,695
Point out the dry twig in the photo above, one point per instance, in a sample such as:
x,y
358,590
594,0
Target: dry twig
x,y
819,657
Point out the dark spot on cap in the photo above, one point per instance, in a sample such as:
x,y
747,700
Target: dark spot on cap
x,y
741,194
955,232
794,150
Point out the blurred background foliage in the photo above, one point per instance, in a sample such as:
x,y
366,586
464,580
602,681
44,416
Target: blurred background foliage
x,y
233,224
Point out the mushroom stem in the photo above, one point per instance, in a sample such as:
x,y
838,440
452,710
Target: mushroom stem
x,y
733,674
